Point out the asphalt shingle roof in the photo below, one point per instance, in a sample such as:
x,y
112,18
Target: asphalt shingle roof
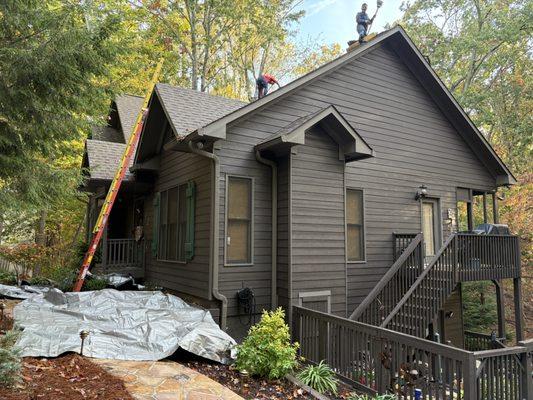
x,y
189,109
128,108
106,134
104,158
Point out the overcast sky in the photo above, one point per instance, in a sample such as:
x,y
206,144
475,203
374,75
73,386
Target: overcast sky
x,y
333,21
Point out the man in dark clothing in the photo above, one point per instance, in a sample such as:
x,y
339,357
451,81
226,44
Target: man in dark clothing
x,y
262,84
363,21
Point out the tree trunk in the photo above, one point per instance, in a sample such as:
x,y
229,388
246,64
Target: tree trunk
x,y
40,234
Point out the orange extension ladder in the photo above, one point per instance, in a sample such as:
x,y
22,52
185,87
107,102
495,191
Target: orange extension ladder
x,y
103,217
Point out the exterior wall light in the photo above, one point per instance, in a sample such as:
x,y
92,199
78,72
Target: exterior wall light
x,y
422,192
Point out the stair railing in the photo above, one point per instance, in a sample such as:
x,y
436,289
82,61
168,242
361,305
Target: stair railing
x,y
421,302
393,285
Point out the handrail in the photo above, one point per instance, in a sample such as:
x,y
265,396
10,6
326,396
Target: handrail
x,y
387,277
415,285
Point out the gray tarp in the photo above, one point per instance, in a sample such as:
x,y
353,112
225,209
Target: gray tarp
x,y
22,292
123,325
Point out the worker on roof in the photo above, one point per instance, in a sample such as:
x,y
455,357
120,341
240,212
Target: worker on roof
x,y
363,21
262,84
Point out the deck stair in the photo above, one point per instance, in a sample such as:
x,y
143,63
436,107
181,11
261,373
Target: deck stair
x,y
409,296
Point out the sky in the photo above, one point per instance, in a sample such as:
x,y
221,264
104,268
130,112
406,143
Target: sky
x,y
333,21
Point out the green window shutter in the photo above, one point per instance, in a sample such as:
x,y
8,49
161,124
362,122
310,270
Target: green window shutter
x,y
155,227
189,234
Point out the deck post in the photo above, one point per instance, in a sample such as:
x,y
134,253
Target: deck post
x,y
527,371
470,378
485,211
495,207
518,308
500,305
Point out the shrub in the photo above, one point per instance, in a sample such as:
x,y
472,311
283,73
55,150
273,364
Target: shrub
x,y
10,359
8,278
320,377
267,350
94,284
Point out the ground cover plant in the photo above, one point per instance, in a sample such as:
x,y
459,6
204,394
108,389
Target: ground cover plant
x,y
319,377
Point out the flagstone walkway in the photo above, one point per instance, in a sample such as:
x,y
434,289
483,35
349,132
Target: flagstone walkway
x,y
166,380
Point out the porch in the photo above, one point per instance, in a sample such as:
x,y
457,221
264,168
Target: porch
x,y
124,256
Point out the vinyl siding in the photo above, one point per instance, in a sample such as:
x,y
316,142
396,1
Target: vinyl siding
x,y
414,144
192,277
318,244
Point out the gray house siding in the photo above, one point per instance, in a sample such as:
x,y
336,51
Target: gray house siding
x,y
283,287
192,277
237,158
414,144
318,243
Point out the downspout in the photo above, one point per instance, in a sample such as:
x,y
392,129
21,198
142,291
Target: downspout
x,y
274,251
213,232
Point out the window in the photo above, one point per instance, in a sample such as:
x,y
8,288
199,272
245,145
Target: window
x,y
239,221
355,235
174,211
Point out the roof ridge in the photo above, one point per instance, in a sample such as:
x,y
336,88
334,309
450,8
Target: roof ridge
x,y
200,93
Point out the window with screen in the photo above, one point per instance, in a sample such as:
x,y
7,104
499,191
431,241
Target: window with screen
x,y
239,221
355,235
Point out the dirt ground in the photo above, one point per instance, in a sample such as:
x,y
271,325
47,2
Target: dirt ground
x,y
69,377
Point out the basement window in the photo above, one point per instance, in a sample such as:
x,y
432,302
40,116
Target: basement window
x,y
355,232
239,221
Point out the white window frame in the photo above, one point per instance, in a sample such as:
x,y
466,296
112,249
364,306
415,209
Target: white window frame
x,y
252,217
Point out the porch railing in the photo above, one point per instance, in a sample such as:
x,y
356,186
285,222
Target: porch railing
x,y
462,257
122,255
400,242
487,257
395,283
476,341
377,360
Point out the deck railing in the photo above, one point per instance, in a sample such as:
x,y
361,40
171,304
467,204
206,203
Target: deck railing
x,y
122,255
377,360
462,257
487,257
400,242
395,283
476,341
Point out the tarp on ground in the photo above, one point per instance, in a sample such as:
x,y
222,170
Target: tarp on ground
x,y
122,325
22,292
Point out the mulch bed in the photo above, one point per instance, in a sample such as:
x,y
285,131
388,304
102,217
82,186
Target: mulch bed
x,y
256,388
69,377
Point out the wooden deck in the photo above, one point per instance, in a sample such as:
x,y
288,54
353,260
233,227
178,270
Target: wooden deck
x,y
124,256
378,360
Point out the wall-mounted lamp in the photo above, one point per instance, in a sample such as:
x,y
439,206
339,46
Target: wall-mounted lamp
x,y
449,314
422,192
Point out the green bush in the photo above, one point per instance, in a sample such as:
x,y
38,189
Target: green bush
x,y
267,350
10,359
94,284
8,278
320,377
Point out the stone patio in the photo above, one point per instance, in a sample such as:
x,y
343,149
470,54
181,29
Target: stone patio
x,y
166,380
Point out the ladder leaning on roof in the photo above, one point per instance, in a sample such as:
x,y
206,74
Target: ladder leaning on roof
x,y
103,217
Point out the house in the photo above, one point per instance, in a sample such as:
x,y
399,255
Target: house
x,y
343,192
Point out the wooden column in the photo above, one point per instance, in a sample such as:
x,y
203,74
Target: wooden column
x,y
470,215
495,208
485,211
500,305
526,360
518,308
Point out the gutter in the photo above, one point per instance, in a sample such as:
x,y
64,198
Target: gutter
x,y
214,231
274,251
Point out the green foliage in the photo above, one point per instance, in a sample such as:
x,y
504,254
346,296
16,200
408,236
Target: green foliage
x,y
267,350
355,396
8,278
320,377
94,284
10,359
479,304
